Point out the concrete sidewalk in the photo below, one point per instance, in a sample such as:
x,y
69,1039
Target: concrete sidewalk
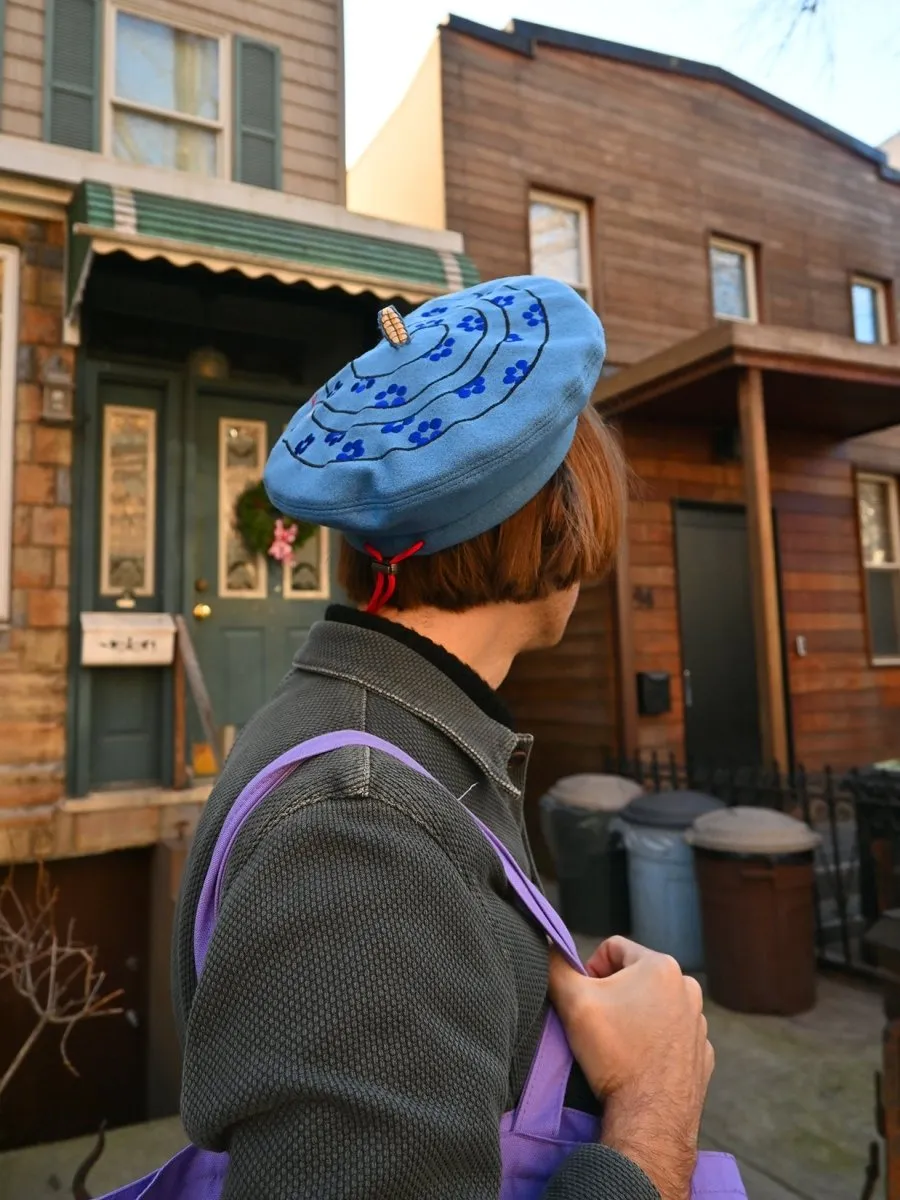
x,y
794,1097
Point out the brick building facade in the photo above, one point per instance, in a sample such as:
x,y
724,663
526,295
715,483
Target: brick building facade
x,y
34,649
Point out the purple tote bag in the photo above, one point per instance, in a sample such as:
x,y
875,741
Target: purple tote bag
x,y
535,1138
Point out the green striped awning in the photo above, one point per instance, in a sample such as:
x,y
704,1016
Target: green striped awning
x,y
104,219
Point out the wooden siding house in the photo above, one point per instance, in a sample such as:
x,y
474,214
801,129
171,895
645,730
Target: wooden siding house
x,y
177,273
744,258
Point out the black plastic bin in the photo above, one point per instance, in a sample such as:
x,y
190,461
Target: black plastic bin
x,y
589,856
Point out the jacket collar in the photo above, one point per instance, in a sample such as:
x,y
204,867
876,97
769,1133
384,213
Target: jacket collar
x,y
391,667
455,669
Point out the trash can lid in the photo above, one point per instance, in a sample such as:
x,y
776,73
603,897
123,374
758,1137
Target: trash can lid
x,y
599,793
745,830
669,810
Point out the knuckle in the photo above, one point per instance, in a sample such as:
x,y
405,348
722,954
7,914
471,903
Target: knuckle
x,y
668,968
694,992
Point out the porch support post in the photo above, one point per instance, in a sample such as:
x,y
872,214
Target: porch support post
x,y
627,689
763,570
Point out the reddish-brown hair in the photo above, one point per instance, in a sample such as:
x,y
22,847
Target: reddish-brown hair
x,y
567,534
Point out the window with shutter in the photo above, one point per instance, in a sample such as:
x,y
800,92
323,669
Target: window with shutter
x,y
166,95
72,66
257,114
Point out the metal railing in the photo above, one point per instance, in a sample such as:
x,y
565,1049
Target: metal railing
x,y
856,813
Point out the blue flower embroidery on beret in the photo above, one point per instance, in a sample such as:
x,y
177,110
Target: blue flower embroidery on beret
x,y
517,373
426,432
305,444
475,388
472,323
363,385
513,337
397,426
444,350
334,437
534,315
503,301
435,312
351,450
391,397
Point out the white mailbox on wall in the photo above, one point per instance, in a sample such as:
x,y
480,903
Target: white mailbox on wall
x,y
117,639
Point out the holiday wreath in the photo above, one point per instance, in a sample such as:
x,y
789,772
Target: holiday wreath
x,y
263,529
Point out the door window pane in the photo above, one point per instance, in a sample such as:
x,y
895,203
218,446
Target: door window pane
x,y
128,512
559,247
866,313
307,577
242,457
166,68
875,522
731,283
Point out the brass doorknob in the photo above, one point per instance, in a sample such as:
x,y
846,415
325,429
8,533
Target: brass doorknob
x,y
202,612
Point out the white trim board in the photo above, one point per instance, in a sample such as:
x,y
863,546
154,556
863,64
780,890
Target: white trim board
x,y
9,336
59,164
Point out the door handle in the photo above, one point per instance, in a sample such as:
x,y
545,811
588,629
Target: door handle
x,y
202,612
688,688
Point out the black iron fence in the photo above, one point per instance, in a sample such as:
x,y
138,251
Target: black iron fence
x,y
856,813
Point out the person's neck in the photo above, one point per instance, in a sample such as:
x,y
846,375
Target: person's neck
x,y
486,638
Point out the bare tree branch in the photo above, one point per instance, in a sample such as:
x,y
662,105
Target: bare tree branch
x,y
58,977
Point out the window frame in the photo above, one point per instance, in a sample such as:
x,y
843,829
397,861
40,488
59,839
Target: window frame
x,y
223,127
749,253
889,481
583,209
11,257
882,315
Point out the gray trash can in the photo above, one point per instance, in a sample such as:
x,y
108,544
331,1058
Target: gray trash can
x,y
591,866
665,905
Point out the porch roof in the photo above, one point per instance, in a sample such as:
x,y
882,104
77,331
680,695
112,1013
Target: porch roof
x,y
820,382
104,219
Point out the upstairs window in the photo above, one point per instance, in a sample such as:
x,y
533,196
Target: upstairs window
x,y
880,537
868,299
732,270
167,90
559,231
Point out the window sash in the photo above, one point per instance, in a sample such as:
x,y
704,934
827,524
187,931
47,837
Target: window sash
x,y
221,126
747,255
878,292
566,204
878,573
889,483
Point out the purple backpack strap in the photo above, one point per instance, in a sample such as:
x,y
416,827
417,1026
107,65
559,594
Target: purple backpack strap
x,y
272,776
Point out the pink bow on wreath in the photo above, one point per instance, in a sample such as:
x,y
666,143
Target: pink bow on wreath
x,y
282,548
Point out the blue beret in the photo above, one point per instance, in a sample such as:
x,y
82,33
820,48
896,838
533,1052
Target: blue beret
x,y
442,437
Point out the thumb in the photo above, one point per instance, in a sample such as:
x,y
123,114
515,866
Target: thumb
x,y
564,983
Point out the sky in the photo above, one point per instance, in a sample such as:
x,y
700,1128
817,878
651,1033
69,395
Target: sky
x,y
843,66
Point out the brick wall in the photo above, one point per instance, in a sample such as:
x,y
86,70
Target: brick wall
x,y
34,650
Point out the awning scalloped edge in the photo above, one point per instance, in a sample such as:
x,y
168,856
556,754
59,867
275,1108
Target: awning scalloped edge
x,y
183,254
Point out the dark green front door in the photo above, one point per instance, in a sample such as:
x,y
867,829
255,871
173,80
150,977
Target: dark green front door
x,y
247,615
